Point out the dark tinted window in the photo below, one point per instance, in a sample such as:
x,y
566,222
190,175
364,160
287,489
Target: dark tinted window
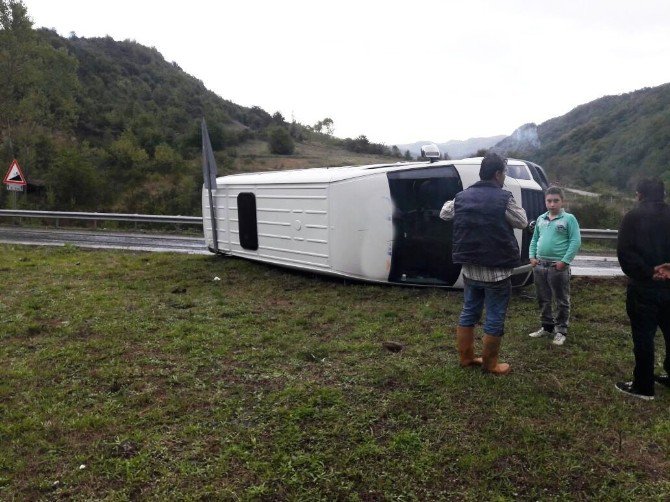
x,y
518,172
539,175
246,211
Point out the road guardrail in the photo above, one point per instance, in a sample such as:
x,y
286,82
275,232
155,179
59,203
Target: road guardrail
x,y
587,233
134,218
595,233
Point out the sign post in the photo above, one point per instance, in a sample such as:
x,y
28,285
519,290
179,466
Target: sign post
x,y
209,173
15,180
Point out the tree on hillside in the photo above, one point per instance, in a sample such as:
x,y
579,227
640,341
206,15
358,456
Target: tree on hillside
x,y
326,123
167,160
15,34
158,194
362,144
296,131
73,183
280,141
38,84
257,118
127,163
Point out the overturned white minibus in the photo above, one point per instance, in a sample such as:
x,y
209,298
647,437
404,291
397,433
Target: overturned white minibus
x,y
377,223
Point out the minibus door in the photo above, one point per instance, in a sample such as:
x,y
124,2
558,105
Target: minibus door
x,y
421,252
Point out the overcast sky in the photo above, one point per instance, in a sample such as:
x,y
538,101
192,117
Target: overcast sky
x,y
397,72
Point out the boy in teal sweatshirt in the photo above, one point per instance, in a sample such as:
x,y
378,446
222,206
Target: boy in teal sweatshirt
x,y
556,240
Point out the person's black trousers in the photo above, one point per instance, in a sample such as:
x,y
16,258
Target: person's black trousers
x,y
647,308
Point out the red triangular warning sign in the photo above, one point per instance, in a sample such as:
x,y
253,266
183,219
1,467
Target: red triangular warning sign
x,y
14,175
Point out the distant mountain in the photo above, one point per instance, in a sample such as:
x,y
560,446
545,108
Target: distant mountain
x,y
523,139
613,140
456,149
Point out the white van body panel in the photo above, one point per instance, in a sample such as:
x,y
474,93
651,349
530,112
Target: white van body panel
x,y
361,227
336,221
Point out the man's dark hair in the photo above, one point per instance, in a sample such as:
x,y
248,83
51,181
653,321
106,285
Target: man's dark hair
x,y
491,164
553,190
651,189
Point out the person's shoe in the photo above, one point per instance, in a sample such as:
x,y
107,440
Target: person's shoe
x,y
539,333
627,388
663,379
559,339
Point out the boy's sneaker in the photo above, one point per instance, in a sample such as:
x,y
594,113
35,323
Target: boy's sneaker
x,y
540,332
663,379
559,339
627,388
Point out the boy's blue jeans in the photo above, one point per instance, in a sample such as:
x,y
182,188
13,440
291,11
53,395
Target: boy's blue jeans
x,y
492,295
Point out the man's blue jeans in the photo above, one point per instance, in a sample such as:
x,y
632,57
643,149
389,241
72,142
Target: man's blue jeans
x,y
492,295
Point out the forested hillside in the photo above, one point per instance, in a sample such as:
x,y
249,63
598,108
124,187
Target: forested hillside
x,y
611,141
104,125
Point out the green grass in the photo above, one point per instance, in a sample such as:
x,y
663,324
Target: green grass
x,y
272,385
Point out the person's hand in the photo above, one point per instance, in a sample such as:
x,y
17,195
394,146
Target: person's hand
x,y
662,272
534,262
560,265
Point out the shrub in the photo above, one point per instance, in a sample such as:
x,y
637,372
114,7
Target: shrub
x,y
280,141
596,213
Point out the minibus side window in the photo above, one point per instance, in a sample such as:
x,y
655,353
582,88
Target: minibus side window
x,y
246,211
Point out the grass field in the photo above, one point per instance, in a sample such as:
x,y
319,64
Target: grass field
x,y
139,376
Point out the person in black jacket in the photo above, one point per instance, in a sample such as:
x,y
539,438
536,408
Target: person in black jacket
x,y
643,250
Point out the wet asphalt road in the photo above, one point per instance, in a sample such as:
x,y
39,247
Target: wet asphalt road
x,y
583,265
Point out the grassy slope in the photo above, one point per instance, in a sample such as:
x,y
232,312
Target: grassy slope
x,y
268,384
254,156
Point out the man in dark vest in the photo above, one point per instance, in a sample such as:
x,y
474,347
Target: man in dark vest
x,y
485,217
